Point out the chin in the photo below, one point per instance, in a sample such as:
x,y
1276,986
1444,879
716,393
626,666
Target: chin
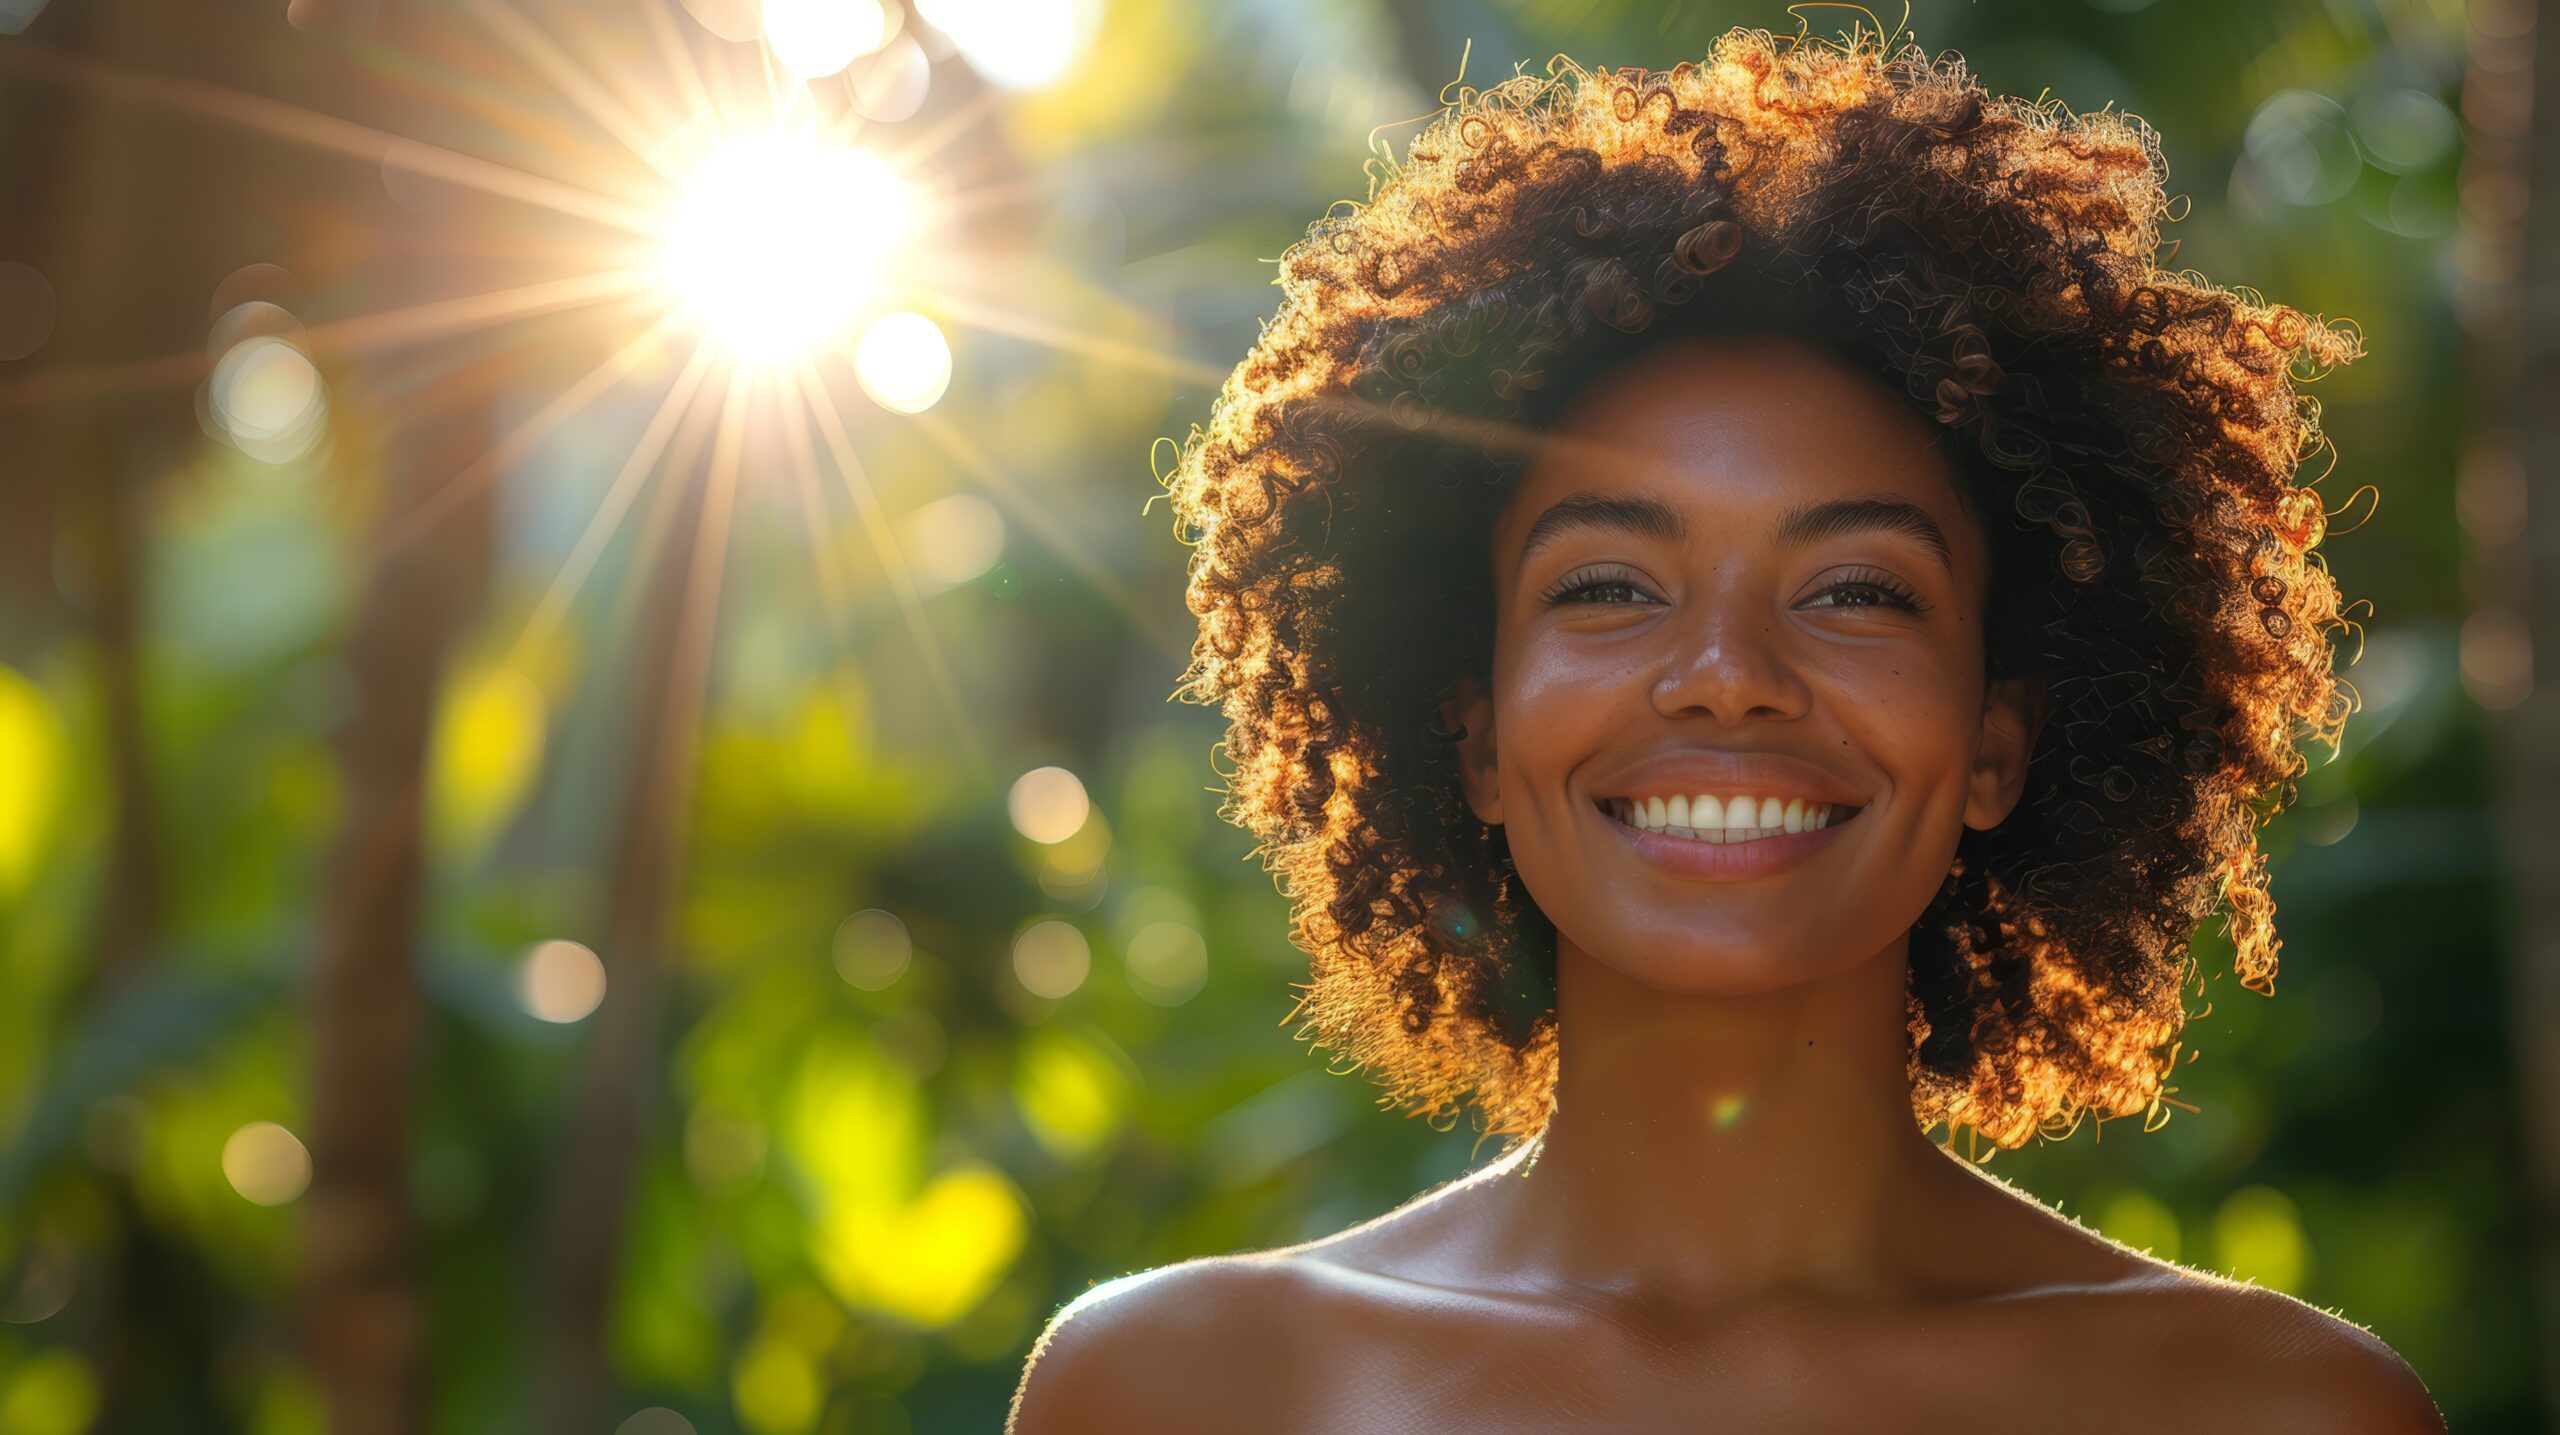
x,y
1683,961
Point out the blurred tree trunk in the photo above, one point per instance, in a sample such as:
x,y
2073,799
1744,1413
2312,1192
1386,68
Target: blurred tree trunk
x,y
364,1328
102,514
106,535
93,222
609,1123
2510,304
364,1325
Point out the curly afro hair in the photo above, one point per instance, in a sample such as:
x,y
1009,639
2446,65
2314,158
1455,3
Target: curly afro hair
x,y
2130,436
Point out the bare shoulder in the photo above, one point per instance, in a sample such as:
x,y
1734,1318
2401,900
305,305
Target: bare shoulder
x,y
2254,1359
1199,1344
1250,1344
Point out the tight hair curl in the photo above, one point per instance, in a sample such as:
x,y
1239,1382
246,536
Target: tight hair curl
x,y
2129,436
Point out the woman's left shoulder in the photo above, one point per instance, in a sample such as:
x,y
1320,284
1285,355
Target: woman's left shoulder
x,y
2248,1358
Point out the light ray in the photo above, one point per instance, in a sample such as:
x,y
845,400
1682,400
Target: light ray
x,y
356,334
600,529
518,32
441,85
648,104
679,59
831,584
720,77
960,203
666,501
1060,337
710,554
408,527
1492,435
72,383
771,69
951,127
932,277
1032,516
438,318
884,543
310,128
847,127
816,522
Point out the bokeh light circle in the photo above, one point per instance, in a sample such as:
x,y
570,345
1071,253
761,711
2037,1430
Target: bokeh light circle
x,y
951,540
1016,44
872,949
817,38
1167,963
2404,129
266,1164
38,1282
560,981
890,84
264,386
1048,804
1052,958
903,362
2299,148
266,397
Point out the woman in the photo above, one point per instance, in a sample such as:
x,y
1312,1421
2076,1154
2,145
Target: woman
x,y
1754,623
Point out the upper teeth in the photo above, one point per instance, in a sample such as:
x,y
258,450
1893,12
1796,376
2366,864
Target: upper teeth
x,y
1720,819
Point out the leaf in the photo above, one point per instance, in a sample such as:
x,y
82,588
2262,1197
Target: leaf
x,y
167,1017
488,750
932,1259
33,756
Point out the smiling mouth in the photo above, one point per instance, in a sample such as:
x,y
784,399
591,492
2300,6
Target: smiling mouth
x,y
1738,817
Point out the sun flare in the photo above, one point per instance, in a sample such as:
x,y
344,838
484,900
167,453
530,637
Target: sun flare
x,y
780,240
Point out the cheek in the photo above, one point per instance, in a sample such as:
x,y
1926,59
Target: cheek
x,y
1553,706
1915,713
1555,709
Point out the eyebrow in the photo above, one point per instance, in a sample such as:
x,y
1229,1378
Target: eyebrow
x,y
1815,521
1648,517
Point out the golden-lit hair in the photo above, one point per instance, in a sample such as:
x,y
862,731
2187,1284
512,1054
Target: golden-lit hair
x,y
2129,435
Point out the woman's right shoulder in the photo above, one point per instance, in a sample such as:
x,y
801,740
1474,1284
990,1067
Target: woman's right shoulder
x,y
1201,1343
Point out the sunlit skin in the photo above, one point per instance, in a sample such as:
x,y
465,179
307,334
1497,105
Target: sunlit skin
x,y
1665,633
1734,566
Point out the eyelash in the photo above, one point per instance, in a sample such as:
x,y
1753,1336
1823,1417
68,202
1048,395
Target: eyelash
x,y
1896,594
1582,584
1575,587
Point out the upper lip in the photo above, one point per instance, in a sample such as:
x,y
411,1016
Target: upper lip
x,y
1710,770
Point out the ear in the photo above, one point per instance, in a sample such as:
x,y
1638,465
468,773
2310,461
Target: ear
x,y
2013,711
1470,715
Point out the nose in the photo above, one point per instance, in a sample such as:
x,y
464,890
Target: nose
x,y
1728,664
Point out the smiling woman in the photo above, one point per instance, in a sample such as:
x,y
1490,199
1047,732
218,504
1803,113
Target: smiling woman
x,y
1754,622
2129,438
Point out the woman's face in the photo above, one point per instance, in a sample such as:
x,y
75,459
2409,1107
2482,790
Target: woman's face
x,y
1737,716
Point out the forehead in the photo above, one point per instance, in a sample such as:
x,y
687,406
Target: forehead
x,y
1740,430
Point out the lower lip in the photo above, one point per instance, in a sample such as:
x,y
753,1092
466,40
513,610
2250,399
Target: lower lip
x,y
1728,861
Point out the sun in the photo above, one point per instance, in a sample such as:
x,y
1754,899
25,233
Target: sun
x,y
779,241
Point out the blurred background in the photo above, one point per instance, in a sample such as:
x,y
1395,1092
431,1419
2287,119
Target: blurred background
x,y
591,835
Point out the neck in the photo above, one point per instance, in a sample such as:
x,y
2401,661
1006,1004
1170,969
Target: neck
x,y
1710,1149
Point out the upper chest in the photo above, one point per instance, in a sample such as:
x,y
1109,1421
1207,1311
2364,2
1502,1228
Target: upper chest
x,y
1355,1360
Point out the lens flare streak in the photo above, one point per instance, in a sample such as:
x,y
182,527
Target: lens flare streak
x,y
893,562
617,502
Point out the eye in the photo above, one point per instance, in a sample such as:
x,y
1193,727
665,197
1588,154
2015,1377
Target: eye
x,y
1861,588
1606,583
